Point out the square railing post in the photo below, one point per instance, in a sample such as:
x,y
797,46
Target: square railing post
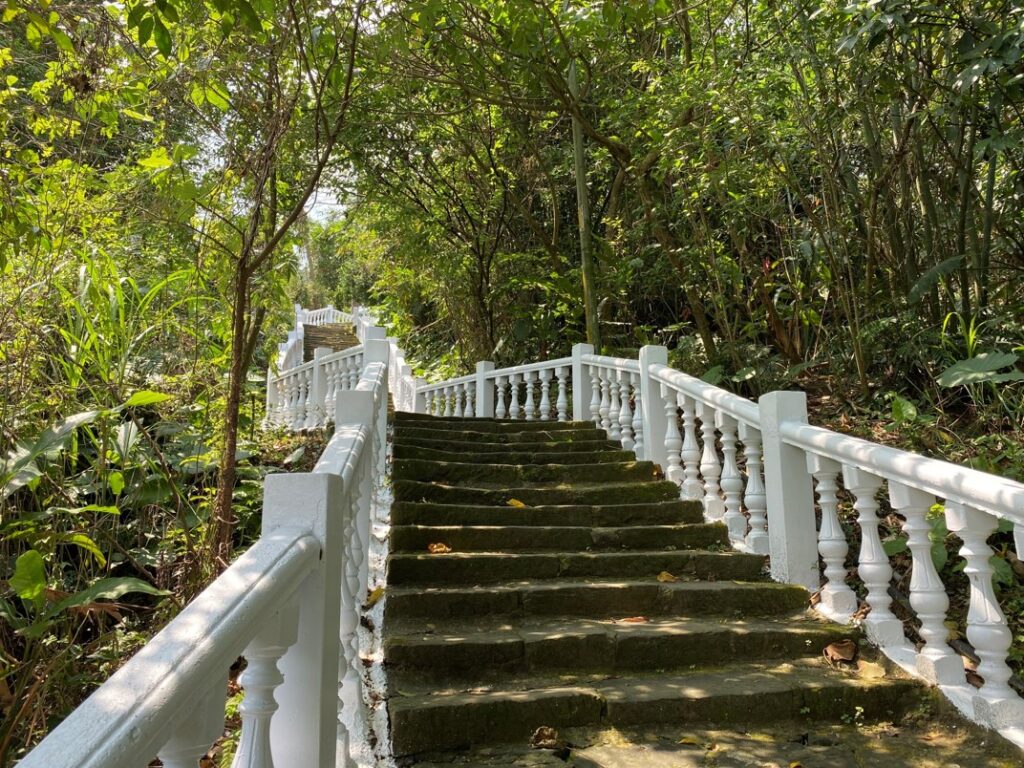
x,y
304,730
484,399
652,410
580,382
792,535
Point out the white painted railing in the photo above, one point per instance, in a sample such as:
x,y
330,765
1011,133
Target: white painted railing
x,y
756,467
290,605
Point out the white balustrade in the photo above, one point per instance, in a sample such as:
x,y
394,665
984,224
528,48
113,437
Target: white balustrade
x,y
754,498
499,408
514,411
693,489
710,467
595,396
625,414
673,440
562,402
837,599
545,394
638,418
529,407
731,481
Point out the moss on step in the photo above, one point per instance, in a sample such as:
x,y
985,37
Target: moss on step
x,y
463,472
650,513
593,494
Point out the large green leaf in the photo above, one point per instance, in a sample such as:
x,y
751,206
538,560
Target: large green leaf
x,y
981,368
146,397
19,468
29,579
107,589
930,278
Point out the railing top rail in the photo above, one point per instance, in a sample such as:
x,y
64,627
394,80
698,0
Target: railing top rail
x,y
341,354
448,383
127,720
615,363
951,482
738,407
544,365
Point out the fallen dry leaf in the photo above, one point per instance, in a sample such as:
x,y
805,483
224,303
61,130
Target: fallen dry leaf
x,y
665,577
515,503
373,598
815,598
544,737
843,650
870,670
634,620
690,741
975,679
796,764
438,548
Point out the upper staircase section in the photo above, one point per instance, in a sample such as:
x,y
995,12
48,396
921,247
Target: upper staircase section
x,y
335,337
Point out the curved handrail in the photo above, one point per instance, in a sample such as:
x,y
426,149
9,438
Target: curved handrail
x,y
128,718
739,408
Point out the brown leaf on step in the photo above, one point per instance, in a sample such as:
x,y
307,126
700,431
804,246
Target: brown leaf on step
x,y
544,737
438,549
659,473
373,598
690,741
861,612
796,764
634,620
665,577
870,670
975,679
815,598
515,503
843,650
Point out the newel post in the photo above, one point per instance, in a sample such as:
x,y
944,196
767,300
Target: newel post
x,y
792,536
580,382
419,399
304,730
484,390
654,419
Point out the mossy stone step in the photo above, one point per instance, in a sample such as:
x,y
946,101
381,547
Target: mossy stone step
x,y
519,538
766,692
480,652
478,447
508,473
495,567
334,336
672,512
520,433
403,450
404,421
590,494
596,599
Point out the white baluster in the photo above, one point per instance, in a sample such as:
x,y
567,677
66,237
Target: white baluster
x,y
625,414
530,407
710,468
638,418
614,428
514,409
499,404
693,489
562,403
355,364
470,390
295,400
457,394
873,567
259,680
545,394
732,482
595,396
754,497
996,704
446,398
837,599
673,440
936,662
605,406
203,725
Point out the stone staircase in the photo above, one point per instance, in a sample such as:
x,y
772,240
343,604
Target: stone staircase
x,y
336,336
575,590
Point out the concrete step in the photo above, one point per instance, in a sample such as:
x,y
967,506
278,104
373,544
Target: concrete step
x,y
514,474
671,512
334,336
466,448
404,421
496,567
590,494
508,455
518,432
524,538
481,651
595,599
425,720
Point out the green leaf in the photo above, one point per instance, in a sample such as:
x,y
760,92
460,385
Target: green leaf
x,y
980,368
162,36
107,589
248,15
127,436
115,481
157,160
29,579
146,397
82,541
895,546
145,30
1002,571
903,411
929,279
217,95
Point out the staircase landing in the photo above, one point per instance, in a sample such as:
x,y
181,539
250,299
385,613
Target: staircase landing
x,y
539,576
